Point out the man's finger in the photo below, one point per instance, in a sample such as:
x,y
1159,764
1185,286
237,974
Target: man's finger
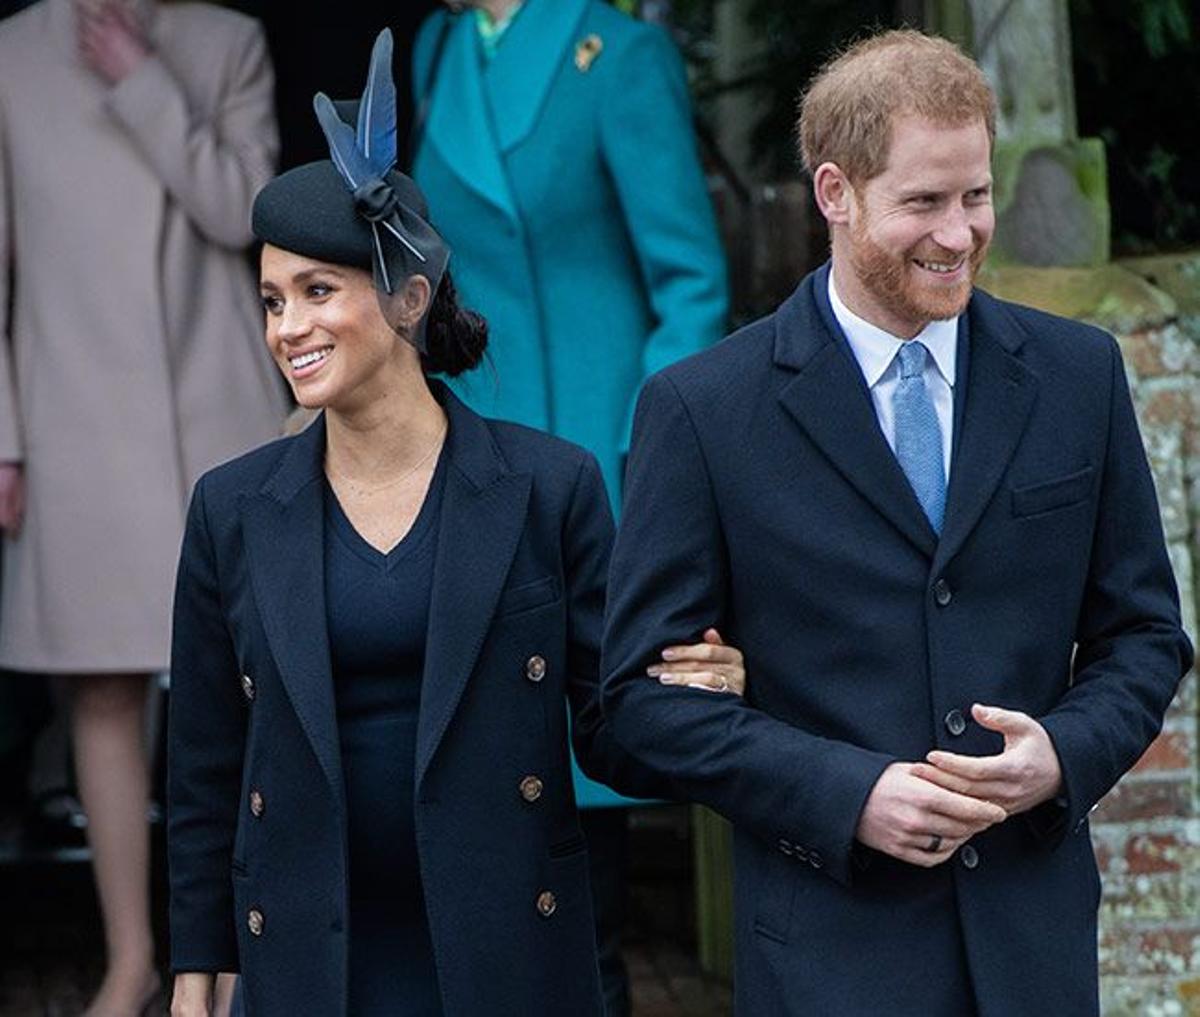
x,y
714,637
977,768
988,790
962,807
994,718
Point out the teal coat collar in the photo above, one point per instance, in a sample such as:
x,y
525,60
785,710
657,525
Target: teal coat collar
x,y
479,111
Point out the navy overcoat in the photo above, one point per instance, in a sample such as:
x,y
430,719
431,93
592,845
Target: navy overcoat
x,y
256,822
762,492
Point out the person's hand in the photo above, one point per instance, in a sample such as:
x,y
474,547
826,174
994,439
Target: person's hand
x,y
1025,774
710,665
920,822
193,994
111,40
12,497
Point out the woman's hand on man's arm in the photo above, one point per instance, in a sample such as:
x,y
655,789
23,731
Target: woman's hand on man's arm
x,y
708,665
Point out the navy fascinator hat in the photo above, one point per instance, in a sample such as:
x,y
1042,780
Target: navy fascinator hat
x,y
356,208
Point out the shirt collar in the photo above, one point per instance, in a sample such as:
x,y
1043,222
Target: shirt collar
x,y
491,32
875,349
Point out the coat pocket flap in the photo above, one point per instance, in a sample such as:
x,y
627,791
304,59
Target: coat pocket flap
x,y
527,595
1052,494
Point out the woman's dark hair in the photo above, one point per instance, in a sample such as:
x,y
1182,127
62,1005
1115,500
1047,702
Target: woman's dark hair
x,y
455,336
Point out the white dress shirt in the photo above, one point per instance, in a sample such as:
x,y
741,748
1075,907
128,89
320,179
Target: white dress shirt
x,y
875,350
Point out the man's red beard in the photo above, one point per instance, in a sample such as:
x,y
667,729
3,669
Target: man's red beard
x,y
890,280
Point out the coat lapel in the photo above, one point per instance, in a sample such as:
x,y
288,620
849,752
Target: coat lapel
x,y
531,55
460,120
284,528
482,518
1000,392
828,398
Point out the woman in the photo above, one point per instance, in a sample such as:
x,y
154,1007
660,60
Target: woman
x,y
133,137
378,625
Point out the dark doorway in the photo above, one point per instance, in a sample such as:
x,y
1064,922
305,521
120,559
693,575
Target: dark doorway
x,y
320,45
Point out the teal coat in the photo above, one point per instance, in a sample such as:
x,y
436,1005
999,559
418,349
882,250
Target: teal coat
x,y
577,212
572,197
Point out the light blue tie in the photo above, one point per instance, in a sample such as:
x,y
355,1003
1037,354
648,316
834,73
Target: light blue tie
x,y
918,434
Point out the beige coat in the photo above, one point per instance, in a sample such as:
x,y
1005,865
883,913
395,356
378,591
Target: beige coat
x,y
135,358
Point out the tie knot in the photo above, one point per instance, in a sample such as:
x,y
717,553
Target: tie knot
x,y
912,359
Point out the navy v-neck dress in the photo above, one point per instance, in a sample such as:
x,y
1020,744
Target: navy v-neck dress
x,y
378,611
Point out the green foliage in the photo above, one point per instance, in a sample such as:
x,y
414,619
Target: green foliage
x,y
1137,83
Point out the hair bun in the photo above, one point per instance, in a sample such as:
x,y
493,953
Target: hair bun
x,y
456,336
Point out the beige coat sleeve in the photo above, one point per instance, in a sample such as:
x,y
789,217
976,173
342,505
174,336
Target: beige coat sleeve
x,y
10,429
212,166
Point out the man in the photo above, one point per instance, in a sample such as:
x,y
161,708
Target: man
x,y
926,517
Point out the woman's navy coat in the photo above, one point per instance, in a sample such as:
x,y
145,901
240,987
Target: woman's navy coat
x,y
515,619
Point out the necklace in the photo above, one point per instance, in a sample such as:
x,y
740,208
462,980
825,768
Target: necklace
x,y
359,489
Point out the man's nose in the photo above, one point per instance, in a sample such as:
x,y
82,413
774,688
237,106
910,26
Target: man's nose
x,y
953,232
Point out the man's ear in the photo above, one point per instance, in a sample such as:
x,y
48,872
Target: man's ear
x,y
414,302
834,193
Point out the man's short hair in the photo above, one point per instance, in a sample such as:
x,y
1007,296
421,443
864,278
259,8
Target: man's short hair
x,y
846,113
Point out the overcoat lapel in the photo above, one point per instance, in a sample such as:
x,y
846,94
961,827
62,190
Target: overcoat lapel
x,y
482,518
1000,392
460,119
828,398
284,529
518,78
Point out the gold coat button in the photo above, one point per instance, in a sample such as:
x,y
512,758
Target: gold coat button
x,y
531,788
248,687
546,904
535,668
254,921
257,803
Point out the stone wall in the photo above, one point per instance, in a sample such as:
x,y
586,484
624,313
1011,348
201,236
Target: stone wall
x,y
1147,830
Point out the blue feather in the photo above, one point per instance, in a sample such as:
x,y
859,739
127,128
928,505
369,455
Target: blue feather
x,y
376,133
343,149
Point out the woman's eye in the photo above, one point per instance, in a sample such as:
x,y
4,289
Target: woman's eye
x,y
318,290
271,304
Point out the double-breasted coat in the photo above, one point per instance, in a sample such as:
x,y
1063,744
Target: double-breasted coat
x,y
256,818
762,492
133,357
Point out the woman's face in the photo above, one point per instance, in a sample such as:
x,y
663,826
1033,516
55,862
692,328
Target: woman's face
x,y
326,331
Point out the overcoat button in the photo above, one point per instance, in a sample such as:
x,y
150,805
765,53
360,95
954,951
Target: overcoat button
x,y
531,788
535,668
248,687
546,904
969,856
254,921
786,847
942,593
257,803
815,859
956,723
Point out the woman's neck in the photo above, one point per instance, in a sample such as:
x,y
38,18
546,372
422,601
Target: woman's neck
x,y
383,438
497,10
